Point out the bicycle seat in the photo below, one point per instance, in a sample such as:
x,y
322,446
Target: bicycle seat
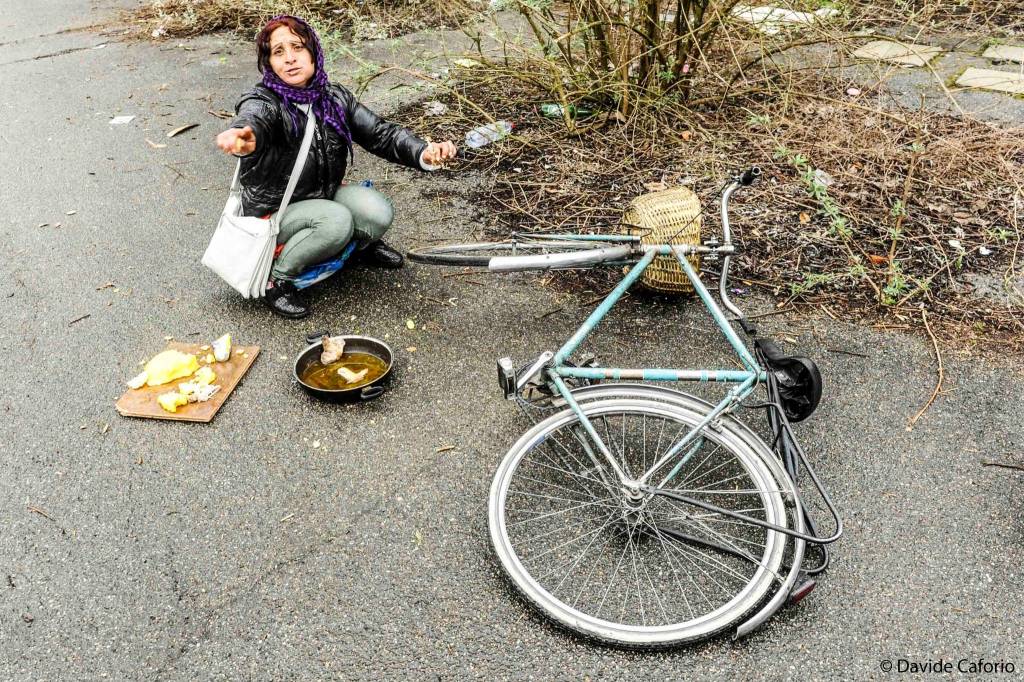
x,y
797,378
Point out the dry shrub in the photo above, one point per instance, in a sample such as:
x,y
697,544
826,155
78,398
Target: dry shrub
x,y
362,18
623,52
1004,17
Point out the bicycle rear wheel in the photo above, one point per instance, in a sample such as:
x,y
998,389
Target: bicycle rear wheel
x,y
663,575
480,254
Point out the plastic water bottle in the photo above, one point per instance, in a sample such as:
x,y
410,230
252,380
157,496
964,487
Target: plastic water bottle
x,y
483,135
553,110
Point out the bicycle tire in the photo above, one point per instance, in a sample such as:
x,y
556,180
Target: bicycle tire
x,y
520,563
676,397
480,254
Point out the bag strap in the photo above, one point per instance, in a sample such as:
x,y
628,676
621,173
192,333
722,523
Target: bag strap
x,y
300,161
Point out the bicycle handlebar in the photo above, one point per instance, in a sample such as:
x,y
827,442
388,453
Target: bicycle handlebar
x,y
750,176
744,179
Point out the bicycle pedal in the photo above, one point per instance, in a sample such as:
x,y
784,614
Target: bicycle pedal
x,y
587,360
507,377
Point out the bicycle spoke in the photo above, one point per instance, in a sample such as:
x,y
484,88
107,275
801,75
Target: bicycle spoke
x,y
721,464
593,566
570,473
708,559
560,529
643,440
616,452
550,484
672,568
600,607
608,521
728,541
674,546
550,514
565,544
724,480
636,576
549,497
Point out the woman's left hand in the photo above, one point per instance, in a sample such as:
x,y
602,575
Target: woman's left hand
x,y
437,153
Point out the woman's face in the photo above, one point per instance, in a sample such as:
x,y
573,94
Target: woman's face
x,y
289,58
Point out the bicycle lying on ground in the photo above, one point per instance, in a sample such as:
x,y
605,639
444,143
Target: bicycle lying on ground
x,y
639,515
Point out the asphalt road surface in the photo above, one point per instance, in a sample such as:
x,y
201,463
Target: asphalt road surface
x,y
291,539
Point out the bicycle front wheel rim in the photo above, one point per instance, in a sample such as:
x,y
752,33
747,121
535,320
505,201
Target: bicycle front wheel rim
x,y
651,591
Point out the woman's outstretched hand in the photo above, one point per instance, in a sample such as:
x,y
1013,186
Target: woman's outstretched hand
x,y
240,141
438,153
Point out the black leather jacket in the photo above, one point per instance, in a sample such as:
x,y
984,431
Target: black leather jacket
x,y
265,172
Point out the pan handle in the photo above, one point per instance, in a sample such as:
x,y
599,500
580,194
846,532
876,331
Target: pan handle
x,y
314,337
370,392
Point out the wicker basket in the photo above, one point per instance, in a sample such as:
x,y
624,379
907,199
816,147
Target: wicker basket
x,y
658,216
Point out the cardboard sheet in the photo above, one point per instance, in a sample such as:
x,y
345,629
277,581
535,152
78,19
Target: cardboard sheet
x,y
142,402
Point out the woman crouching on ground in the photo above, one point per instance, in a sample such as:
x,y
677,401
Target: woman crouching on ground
x,y
266,134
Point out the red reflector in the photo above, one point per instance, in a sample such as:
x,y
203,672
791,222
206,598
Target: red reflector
x,y
802,591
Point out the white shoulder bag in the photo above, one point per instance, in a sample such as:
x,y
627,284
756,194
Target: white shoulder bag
x,y
242,248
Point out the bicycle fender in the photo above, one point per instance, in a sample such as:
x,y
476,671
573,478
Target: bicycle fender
x,y
777,601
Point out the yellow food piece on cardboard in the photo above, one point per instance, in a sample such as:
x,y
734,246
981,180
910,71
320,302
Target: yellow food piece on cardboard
x,y
205,376
168,366
172,401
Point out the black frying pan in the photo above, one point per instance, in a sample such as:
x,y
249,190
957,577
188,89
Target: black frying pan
x,y
357,344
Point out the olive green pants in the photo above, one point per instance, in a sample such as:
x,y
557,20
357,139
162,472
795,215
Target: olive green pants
x,y
316,230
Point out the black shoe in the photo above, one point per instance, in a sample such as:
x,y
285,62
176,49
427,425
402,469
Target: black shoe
x,y
379,254
285,300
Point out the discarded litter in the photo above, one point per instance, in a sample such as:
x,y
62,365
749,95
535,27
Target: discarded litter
x,y
466,63
484,135
554,110
181,129
436,108
121,120
822,178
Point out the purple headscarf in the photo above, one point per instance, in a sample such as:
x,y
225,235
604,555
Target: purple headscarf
x,y
316,93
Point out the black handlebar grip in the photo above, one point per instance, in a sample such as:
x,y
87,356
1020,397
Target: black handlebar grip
x,y
749,176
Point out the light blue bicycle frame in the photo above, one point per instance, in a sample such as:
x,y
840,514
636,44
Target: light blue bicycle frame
x,y
745,380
